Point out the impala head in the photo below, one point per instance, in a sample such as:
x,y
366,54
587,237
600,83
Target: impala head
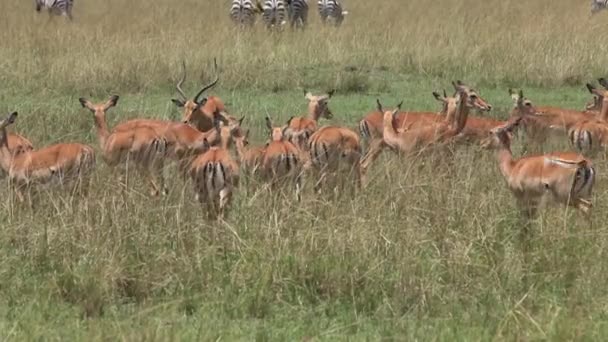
x,y
475,100
598,96
242,140
449,103
276,133
318,105
229,130
390,115
99,109
10,119
500,137
522,105
191,106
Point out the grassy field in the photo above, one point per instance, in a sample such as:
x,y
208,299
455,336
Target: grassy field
x,y
430,250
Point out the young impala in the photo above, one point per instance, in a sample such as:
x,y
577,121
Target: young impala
x,y
565,177
250,157
300,129
215,176
142,146
60,163
332,146
199,111
282,160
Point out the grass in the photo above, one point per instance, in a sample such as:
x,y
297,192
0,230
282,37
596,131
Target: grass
x,y
429,250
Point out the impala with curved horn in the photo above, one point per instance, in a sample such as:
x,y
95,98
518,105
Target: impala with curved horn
x,y
199,110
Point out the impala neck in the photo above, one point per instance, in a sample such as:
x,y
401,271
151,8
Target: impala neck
x,y
241,149
505,160
604,110
102,129
461,115
313,112
388,132
5,153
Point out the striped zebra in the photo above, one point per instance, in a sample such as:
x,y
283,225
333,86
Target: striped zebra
x,y
275,13
298,12
243,12
598,5
331,11
57,7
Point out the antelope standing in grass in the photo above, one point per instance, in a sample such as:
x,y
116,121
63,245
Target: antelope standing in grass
x,y
564,177
416,139
592,134
330,148
215,176
282,160
62,164
142,146
199,111
250,157
540,123
299,129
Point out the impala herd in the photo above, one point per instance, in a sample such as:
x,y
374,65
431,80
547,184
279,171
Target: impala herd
x,y
201,145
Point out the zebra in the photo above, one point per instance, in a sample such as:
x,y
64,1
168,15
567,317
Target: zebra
x,y
298,12
598,5
331,11
57,7
243,12
275,13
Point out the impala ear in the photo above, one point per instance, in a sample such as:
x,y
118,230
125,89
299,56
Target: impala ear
x,y
85,103
521,94
241,120
289,121
603,82
111,102
379,106
399,105
590,87
10,119
437,96
268,123
246,135
331,93
177,102
511,92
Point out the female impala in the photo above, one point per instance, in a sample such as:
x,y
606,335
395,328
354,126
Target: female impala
x,y
199,112
142,146
592,134
17,144
420,138
215,175
565,177
300,129
282,160
60,163
250,157
332,146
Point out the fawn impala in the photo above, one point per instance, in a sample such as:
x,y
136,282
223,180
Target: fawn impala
x,y
299,129
141,145
331,146
199,112
60,163
215,175
282,160
249,157
565,177
419,138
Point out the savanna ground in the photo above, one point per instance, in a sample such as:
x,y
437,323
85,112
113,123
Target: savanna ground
x,y
429,250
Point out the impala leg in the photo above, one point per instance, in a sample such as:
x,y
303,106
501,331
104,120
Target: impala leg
x,y
375,148
299,188
225,200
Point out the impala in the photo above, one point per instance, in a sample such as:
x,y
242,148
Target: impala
x,y
332,146
199,111
419,138
299,129
282,160
592,134
141,145
60,163
215,175
565,177
541,122
250,157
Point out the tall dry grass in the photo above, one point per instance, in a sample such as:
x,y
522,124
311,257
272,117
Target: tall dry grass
x,y
136,45
431,249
